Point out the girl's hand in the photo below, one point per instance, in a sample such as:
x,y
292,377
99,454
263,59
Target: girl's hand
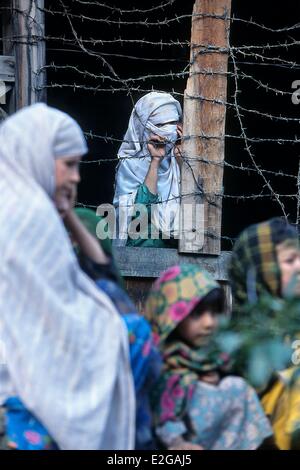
x,y
157,147
178,145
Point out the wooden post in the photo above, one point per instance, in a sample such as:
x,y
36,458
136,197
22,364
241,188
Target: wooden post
x,y
204,129
7,62
7,68
23,29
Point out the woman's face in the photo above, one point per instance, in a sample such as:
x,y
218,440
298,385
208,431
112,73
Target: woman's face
x,y
288,257
67,178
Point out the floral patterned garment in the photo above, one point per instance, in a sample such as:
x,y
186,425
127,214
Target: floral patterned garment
x,y
222,417
179,392
23,431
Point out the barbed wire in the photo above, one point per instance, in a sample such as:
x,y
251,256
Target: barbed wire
x,y
162,6
168,21
242,60
194,159
91,135
257,53
130,90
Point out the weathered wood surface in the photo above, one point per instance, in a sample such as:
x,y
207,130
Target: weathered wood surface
x,y
150,262
23,27
204,128
7,46
7,68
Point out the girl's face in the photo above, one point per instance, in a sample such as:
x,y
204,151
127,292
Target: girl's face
x,y
288,257
66,178
198,327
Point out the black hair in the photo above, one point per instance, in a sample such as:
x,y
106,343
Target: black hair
x,y
214,300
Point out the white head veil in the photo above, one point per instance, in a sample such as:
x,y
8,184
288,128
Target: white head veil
x,y
150,110
65,344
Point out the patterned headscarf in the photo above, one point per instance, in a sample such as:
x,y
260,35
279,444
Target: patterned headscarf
x,y
172,298
254,267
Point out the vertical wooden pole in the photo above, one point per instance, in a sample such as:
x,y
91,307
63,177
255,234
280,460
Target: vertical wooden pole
x,y
27,27
204,128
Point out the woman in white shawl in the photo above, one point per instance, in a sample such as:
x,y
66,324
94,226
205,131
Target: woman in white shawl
x,y
148,175
66,352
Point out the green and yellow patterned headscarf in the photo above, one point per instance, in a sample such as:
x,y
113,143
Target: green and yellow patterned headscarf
x,y
254,268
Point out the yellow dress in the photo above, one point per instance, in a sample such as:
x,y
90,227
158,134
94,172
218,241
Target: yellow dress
x,y
282,405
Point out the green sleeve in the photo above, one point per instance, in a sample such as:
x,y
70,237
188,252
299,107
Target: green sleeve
x,y
144,196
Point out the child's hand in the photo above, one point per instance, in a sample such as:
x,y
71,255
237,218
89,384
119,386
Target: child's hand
x,y
157,147
177,149
212,378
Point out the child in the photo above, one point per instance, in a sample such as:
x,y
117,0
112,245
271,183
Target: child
x,y
195,406
266,261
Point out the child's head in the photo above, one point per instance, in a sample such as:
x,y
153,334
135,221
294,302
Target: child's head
x,y
198,327
184,301
265,258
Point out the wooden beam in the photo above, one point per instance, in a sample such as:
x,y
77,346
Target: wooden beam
x,y
7,68
151,262
24,33
204,128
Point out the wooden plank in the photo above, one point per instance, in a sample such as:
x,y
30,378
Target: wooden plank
x,y
150,262
27,28
7,68
6,17
204,128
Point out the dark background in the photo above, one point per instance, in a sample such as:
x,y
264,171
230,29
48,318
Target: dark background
x,y
107,112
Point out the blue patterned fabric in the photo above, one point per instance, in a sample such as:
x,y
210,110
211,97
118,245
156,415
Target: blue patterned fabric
x,y
223,417
23,431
